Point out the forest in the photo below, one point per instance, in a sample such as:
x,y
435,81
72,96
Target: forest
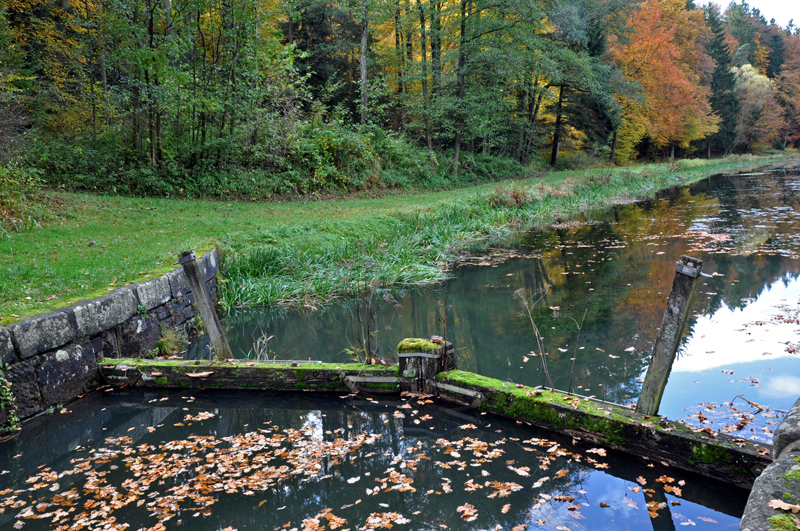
x,y
252,99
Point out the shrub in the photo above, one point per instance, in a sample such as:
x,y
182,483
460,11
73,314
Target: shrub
x,y
19,186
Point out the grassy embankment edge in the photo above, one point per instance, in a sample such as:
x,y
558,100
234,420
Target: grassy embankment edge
x,y
305,263
298,252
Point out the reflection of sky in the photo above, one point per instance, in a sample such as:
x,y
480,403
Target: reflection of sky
x,y
730,336
781,386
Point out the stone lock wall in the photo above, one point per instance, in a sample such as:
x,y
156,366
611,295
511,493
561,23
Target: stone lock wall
x,y
52,358
779,481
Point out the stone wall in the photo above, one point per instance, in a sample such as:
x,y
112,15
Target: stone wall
x,y
52,358
780,481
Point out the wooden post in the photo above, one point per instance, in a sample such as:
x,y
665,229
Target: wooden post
x,y
203,299
422,359
687,270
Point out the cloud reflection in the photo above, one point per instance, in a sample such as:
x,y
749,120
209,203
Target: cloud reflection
x,y
781,387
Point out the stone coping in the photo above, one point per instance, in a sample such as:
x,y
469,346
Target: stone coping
x,y
720,457
51,358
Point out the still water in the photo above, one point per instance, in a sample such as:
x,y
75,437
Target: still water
x,y
171,460
616,269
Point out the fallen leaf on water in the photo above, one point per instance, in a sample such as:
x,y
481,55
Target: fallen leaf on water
x,y
505,508
641,480
468,512
604,504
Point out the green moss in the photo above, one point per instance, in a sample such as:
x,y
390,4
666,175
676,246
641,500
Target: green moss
x,y
413,344
161,381
711,454
782,522
610,429
794,474
302,386
189,366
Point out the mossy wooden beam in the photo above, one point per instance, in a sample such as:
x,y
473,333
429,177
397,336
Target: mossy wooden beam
x,y
721,457
239,374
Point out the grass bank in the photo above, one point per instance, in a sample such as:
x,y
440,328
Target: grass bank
x,y
304,251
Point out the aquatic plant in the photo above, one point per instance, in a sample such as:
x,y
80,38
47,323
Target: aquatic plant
x,y
528,305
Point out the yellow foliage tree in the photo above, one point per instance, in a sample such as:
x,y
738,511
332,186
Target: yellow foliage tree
x,y
662,54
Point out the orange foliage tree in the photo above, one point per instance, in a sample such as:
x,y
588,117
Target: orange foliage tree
x,y
789,87
663,56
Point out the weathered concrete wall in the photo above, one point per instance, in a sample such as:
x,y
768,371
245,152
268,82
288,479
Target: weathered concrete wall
x,y
52,358
779,481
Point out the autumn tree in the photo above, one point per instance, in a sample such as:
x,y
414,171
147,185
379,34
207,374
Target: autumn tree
x,y
788,83
761,118
12,110
662,55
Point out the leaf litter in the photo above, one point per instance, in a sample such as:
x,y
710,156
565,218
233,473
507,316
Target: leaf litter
x,y
163,482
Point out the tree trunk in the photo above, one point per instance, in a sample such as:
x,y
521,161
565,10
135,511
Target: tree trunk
x,y
398,47
425,99
362,60
613,147
170,29
461,81
91,77
290,32
557,131
151,106
436,45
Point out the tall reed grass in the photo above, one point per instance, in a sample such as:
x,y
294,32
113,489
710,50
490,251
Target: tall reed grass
x,y
320,260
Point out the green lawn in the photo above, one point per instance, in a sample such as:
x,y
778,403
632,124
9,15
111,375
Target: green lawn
x,y
88,245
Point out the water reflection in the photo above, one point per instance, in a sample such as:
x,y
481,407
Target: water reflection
x,y
617,266
206,461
